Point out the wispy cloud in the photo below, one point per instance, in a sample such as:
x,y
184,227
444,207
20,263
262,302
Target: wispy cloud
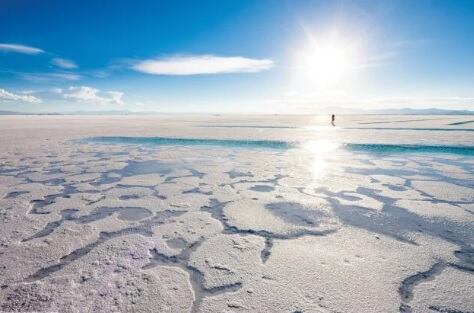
x,y
378,60
64,63
42,77
10,96
201,64
92,95
395,49
9,47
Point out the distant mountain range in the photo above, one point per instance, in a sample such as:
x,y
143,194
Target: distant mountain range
x,y
402,111
25,113
327,110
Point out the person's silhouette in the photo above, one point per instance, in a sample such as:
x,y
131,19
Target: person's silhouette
x,y
333,119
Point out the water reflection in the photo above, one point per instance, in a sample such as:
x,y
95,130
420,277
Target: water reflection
x,y
320,151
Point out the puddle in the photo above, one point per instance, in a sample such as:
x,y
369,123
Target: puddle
x,y
145,167
235,174
125,214
262,188
133,214
176,243
295,213
15,194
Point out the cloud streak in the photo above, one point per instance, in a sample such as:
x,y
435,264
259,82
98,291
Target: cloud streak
x,y
9,47
201,64
64,63
44,77
10,96
92,95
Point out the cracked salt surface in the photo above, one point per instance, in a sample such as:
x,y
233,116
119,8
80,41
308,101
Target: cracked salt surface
x,y
195,228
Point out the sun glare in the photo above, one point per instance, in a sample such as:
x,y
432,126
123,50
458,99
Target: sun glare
x,y
324,65
321,150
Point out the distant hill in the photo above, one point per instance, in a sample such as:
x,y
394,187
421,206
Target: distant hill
x,y
113,112
432,111
25,113
326,110
403,111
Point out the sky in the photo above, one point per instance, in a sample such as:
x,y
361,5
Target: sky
x,y
230,56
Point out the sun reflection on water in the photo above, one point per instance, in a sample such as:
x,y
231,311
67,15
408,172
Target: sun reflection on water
x,y
320,151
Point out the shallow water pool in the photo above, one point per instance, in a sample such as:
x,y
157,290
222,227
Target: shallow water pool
x,y
282,145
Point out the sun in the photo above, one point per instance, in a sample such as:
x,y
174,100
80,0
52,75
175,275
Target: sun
x,y
324,64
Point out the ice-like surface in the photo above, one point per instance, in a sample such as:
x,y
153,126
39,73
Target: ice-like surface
x,y
236,214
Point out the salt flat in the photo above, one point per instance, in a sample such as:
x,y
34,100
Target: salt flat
x,y
95,226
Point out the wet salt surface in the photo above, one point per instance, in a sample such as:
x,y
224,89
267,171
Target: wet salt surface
x,y
145,167
197,229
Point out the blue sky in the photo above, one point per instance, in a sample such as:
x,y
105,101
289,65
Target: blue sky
x,y
235,56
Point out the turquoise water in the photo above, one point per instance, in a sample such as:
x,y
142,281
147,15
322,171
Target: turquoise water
x,y
389,149
411,129
281,145
169,141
